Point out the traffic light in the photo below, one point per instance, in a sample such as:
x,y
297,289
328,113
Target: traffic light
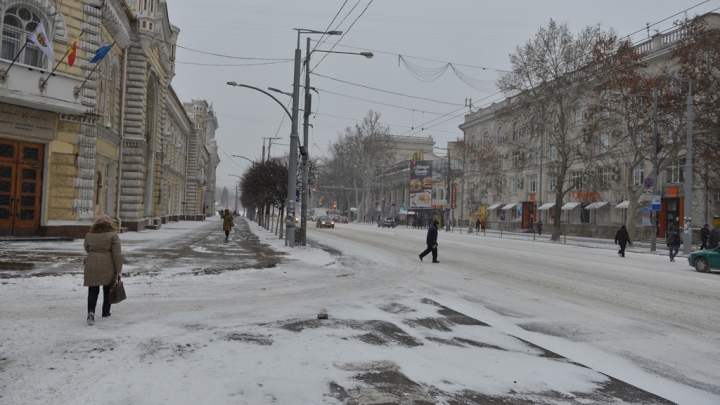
x,y
314,190
334,206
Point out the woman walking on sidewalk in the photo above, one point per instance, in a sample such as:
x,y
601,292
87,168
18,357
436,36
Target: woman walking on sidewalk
x,y
228,222
102,265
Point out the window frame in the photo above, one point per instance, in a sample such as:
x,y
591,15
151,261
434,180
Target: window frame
x,y
23,35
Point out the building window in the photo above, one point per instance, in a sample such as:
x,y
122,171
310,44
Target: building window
x,y
500,135
486,139
578,116
532,183
514,185
516,157
605,175
533,156
552,181
474,142
18,23
638,174
577,180
579,146
604,142
675,173
516,131
553,153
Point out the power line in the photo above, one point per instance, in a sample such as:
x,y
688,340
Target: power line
x,y
345,33
231,64
322,40
386,91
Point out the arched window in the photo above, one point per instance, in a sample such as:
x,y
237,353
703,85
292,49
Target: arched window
x,y
516,131
474,141
500,134
18,23
486,139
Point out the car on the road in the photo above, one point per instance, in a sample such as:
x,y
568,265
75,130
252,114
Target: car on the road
x,y
705,260
387,222
344,220
325,222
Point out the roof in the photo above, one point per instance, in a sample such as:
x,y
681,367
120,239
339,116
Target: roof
x,y
509,206
492,207
623,204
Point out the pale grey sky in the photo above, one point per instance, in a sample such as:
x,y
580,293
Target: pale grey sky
x,y
467,33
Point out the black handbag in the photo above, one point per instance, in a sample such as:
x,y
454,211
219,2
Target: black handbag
x,y
117,291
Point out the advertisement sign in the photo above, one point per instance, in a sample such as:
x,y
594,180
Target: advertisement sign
x,y
647,212
421,184
656,202
453,196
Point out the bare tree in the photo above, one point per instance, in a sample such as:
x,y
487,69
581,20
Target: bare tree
x,y
549,89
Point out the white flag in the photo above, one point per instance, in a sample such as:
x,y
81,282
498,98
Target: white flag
x,y
41,40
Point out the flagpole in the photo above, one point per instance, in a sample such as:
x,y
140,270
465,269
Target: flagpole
x,y
77,89
4,72
44,81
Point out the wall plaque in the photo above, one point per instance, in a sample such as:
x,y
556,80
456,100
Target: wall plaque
x,y
23,121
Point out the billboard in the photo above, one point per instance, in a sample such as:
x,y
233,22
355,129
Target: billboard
x,y
420,183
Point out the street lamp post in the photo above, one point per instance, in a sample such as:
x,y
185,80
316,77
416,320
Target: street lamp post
x,y
236,192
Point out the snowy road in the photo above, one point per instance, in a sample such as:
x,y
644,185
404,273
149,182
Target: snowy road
x,y
616,315
497,321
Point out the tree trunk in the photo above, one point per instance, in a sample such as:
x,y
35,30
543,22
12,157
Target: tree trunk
x,y
557,217
281,220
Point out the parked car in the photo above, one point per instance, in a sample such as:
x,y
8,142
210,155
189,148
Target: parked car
x,y
325,222
387,222
705,260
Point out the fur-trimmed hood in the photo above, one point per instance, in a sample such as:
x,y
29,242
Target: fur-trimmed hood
x,y
101,227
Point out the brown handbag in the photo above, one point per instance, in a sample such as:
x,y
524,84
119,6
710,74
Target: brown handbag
x,y
117,291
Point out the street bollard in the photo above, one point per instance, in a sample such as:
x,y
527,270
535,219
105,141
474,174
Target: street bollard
x,y
501,233
477,231
565,239
533,234
484,232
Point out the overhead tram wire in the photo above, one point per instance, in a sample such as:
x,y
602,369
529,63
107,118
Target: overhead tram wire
x,y
323,37
375,102
231,64
344,33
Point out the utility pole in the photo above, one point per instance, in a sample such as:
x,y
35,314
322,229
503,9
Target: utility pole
x,y
447,197
687,207
304,151
653,218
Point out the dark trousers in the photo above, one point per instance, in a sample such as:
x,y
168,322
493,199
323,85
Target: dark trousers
x,y
429,249
227,234
622,249
93,293
673,251
703,245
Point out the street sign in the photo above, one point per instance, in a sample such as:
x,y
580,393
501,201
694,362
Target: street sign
x,y
655,202
447,209
648,183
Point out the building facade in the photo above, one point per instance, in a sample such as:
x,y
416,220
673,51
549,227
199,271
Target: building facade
x,y
95,137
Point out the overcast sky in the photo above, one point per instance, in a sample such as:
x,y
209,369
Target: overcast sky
x,y
470,34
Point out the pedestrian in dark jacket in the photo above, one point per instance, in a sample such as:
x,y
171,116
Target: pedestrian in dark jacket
x,y
228,222
431,242
714,238
539,227
673,241
704,236
482,225
622,238
477,225
102,265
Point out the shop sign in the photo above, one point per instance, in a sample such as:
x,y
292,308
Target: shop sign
x,y
453,196
421,184
22,121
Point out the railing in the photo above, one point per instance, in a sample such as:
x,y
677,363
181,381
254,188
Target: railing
x,y
673,36
645,47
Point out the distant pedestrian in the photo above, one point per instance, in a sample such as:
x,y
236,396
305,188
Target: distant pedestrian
x,y
672,238
622,238
539,227
477,225
228,223
431,242
714,238
102,265
482,224
704,236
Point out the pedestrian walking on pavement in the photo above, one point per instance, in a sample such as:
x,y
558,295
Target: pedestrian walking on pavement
x,y
482,225
714,238
477,225
431,242
539,227
622,238
704,236
672,238
228,222
103,264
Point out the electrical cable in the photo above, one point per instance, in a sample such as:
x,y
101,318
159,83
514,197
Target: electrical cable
x,y
322,40
230,64
344,33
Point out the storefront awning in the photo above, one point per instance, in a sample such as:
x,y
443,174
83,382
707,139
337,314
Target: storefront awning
x,y
623,204
569,206
492,207
596,205
546,206
509,206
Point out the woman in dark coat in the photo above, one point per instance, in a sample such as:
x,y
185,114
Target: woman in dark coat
x,y
622,238
102,265
227,222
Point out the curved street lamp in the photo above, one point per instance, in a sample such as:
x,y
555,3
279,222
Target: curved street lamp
x,y
234,84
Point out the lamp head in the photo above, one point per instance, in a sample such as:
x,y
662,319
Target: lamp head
x,y
232,83
368,55
334,32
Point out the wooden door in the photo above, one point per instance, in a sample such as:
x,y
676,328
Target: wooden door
x,y
20,187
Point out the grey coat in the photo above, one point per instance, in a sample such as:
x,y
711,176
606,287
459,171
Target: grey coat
x,y
104,256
